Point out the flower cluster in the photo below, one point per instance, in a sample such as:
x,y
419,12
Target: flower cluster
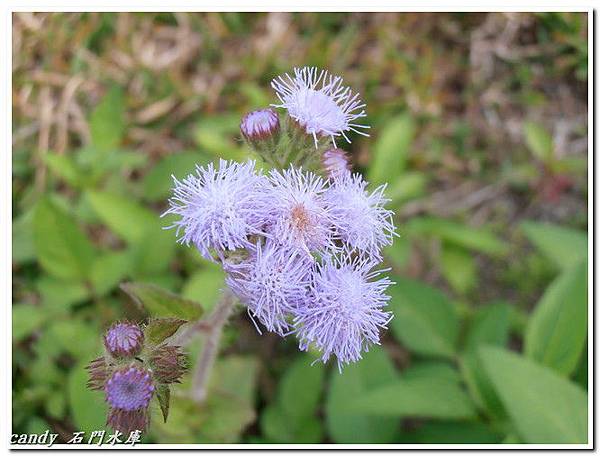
x,y
300,246
130,372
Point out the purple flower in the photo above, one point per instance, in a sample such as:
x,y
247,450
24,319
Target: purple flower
x,y
320,103
219,208
345,311
271,282
362,221
129,389
300,218
336,163
124,339
259,125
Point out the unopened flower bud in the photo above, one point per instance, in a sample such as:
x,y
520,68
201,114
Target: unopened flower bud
x,y
260,125
336,163
168,364
124,340
99,373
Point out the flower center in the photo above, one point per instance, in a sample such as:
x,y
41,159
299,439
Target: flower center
x,y
301,220
129,388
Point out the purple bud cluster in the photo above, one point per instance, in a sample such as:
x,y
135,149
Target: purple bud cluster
x,y
301,249
130,372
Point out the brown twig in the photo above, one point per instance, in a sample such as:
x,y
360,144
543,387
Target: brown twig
x,y
45,122
63,113
211,346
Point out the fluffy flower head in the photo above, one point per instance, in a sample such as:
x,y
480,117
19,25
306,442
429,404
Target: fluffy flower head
x,y
129,389
362,221
219,208
345,312
320,103
300,217
272,282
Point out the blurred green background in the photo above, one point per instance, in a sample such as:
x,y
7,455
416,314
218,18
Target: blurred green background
x,y
479,124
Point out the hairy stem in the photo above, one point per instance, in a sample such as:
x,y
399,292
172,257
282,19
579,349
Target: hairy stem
x,y
213,327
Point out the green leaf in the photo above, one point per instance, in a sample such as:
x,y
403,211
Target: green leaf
x,y
399,252
301,386
511,439
292,416
163,396
581,371
255,94
277,428
422,397
125,217
158,182
424,318
453,432
225,124
557,329
56,405
544,407
490,326
107,121
230,398
219,145
59,296
565,247
479,385
64,167
26,319
391,150
62,248
431,369
225,414
458,268
409,185
23,248
539,141
88,408
65,332
205,286
37,426
153,253
108,270
518,319
162,303
159,329
345,426
478,239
